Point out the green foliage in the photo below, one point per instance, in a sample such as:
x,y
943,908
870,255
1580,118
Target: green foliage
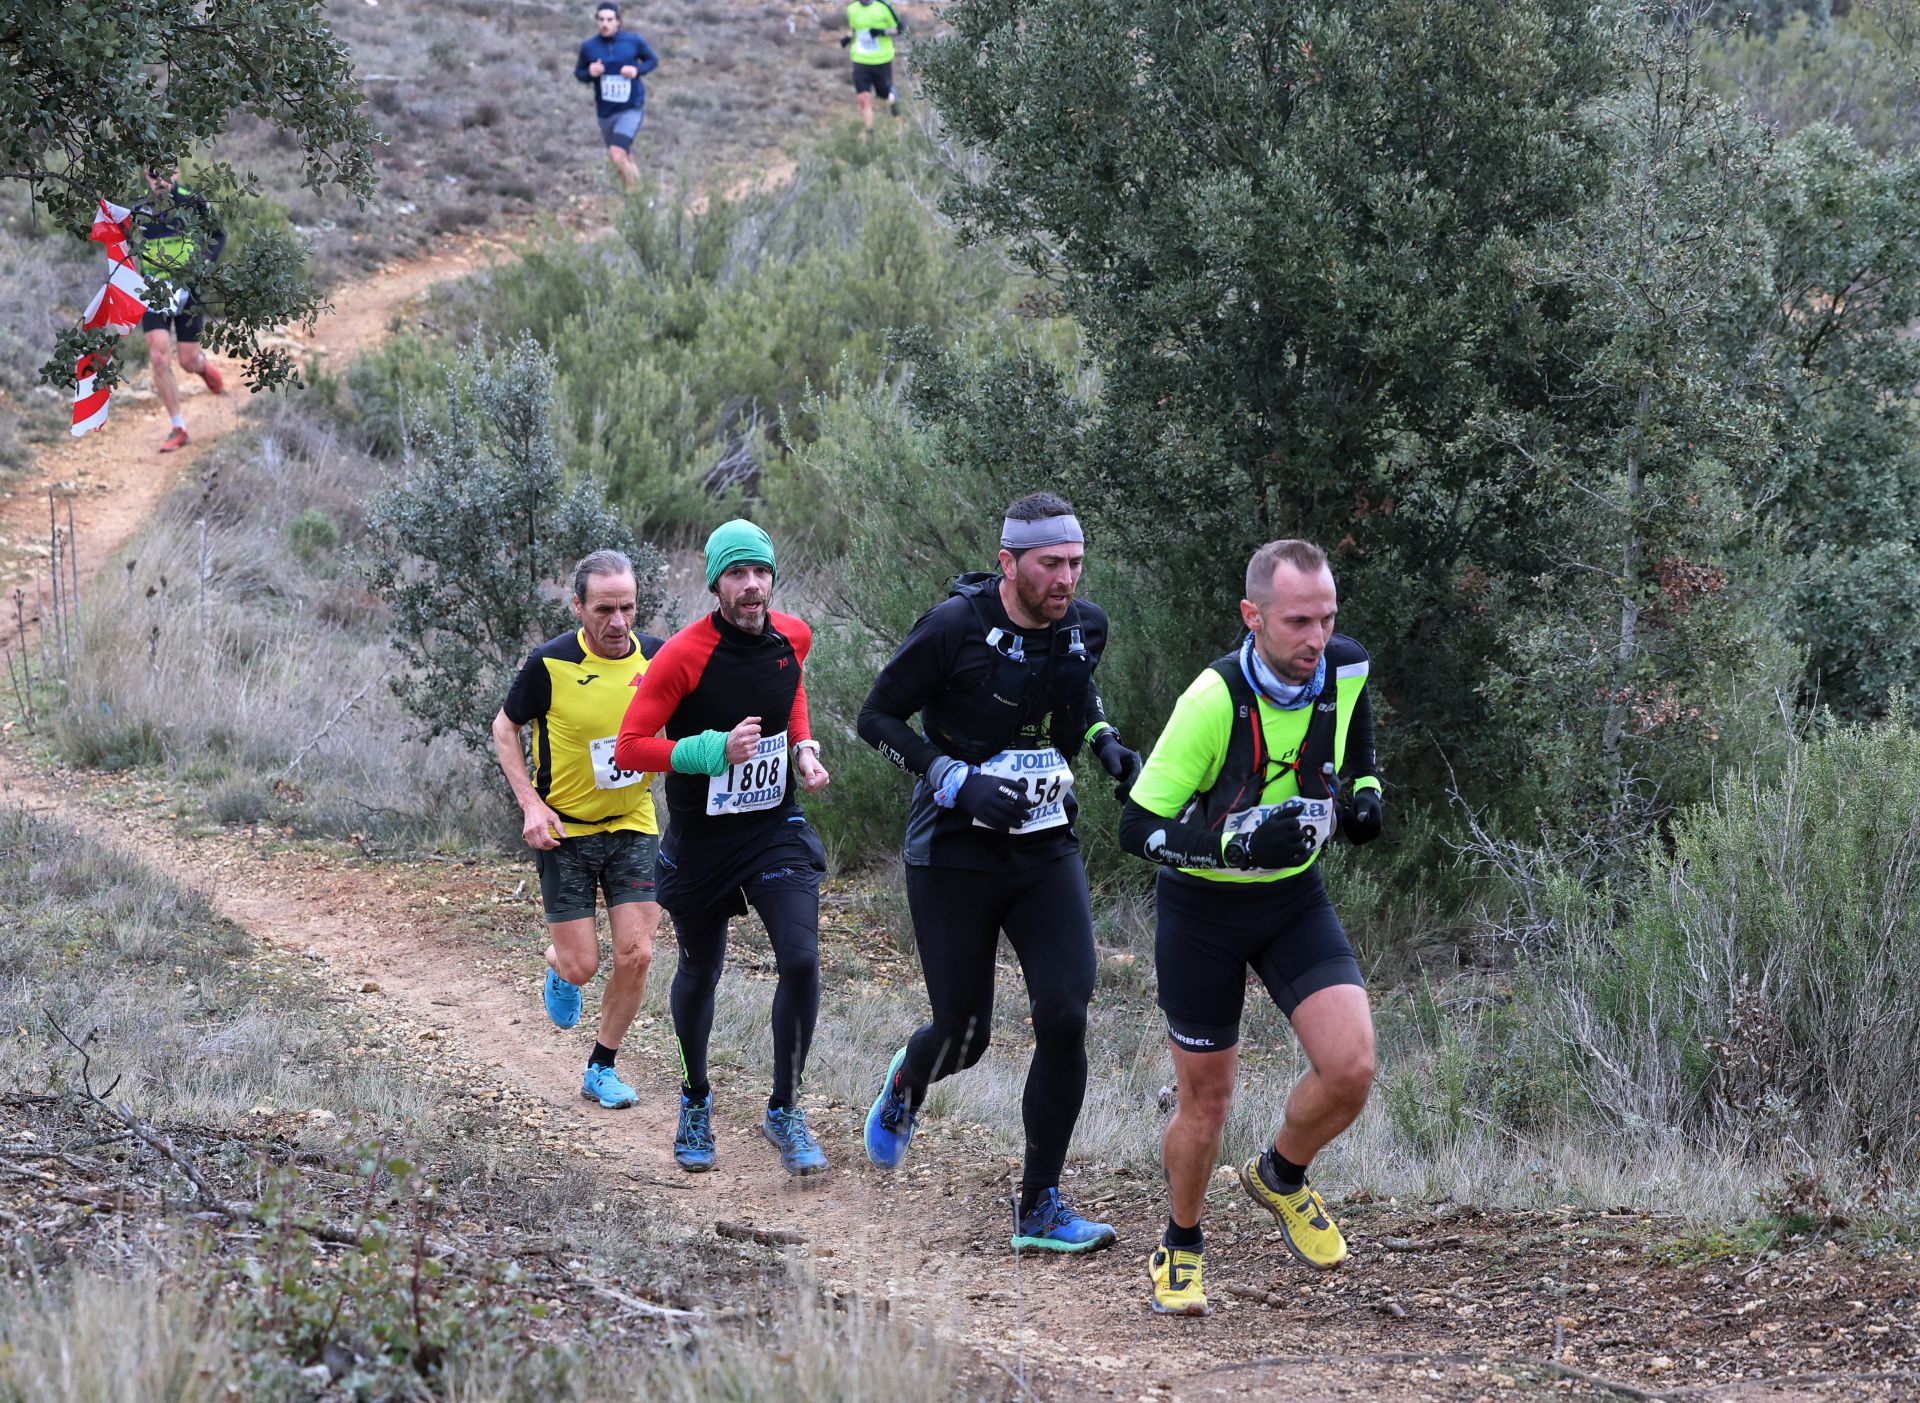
x,y
469,537
685,344
394,380
95,91
312,534
1751,989
1847,71
383,1318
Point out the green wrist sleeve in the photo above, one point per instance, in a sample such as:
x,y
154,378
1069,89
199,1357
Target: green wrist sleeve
x,y
704,754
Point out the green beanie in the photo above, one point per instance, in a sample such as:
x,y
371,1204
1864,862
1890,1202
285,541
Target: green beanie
x,y
733,543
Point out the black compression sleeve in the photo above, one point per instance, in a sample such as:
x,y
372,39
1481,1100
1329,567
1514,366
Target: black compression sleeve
x,y
1360,741
912,677
1163,840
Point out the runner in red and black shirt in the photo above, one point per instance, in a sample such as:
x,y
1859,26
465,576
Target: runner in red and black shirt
x,y
727,693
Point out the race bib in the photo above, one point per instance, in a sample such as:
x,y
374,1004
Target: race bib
x,y
615,88
1316,819
606,774
1046,777
757,782
866,41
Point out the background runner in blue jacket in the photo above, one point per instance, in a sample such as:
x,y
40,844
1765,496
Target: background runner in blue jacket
x,y
614,61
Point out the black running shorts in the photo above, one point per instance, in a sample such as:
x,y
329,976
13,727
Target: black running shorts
x,y
1209,934
618,864
875,78
185,328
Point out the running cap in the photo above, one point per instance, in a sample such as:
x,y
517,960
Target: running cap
x,y
736,542
1047,531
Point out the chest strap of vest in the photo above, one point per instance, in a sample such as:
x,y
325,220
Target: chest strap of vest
x,y
1249,766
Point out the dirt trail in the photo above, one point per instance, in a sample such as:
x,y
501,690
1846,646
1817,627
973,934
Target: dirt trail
x,y
115,475
1435,1304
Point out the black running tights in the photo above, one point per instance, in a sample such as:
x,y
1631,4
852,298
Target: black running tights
x,y
957,919
792,918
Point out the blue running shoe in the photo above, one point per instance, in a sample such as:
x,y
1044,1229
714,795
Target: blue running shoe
x,y
787,1130
890,1122
563,1001
603,1084
693,1141
1051,1226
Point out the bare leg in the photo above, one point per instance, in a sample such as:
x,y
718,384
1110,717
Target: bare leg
x,y
160,356
623,164
866,108
575,952
1335,1028
1191,1145
634,924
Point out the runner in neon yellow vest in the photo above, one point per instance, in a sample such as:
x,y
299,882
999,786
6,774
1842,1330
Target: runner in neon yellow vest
x,y
871,42
177,243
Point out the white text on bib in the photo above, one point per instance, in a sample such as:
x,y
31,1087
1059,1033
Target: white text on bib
x,y
1046,778
1316,821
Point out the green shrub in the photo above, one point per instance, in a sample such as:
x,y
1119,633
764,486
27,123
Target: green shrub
x,y
1753,988
469,539
311,534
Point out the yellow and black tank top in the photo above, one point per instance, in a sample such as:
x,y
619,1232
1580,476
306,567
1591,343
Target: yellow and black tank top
x,y
575,701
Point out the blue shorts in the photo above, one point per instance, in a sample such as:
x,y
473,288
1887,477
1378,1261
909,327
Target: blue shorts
x,y
620,128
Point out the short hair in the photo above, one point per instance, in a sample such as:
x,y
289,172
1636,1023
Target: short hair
x,y
1038,506
606,5
600,563
1304,556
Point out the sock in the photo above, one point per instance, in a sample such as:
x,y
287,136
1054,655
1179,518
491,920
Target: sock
x,y
774,1103
179,421
695,1093
1177,1236
602,1055
1281,1174
1030,1195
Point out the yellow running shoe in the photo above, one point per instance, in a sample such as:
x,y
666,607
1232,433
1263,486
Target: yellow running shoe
x,y
1176,1281
1304,1221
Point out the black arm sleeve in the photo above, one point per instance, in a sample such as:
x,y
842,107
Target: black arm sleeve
x,y
1360,759
1163,840
912,676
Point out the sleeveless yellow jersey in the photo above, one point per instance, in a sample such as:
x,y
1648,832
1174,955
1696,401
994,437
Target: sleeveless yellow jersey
x,y
575,701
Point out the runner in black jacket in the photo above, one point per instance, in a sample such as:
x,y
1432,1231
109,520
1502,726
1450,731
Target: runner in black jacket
x,y
1001,674
727,690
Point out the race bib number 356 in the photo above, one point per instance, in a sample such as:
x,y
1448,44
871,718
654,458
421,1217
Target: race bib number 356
x,y
1046,777
606,774
757,782
615,88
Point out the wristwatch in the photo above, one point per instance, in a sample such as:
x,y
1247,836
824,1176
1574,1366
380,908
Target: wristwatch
x,y
1237,851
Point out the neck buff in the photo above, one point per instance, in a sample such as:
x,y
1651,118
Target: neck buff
x,y
1047,531
1269,685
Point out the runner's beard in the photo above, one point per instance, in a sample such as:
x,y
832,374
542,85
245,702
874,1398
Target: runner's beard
x,y
746,623
1041,603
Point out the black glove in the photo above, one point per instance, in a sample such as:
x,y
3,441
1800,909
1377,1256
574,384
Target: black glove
x,y
1281,841
1118,761
998,803
1363,819
845,40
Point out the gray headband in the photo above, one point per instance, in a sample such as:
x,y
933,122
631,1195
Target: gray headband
x,y
1047,531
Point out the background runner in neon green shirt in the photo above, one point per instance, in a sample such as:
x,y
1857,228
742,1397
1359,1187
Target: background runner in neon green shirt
x,y
873,26
1241,792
